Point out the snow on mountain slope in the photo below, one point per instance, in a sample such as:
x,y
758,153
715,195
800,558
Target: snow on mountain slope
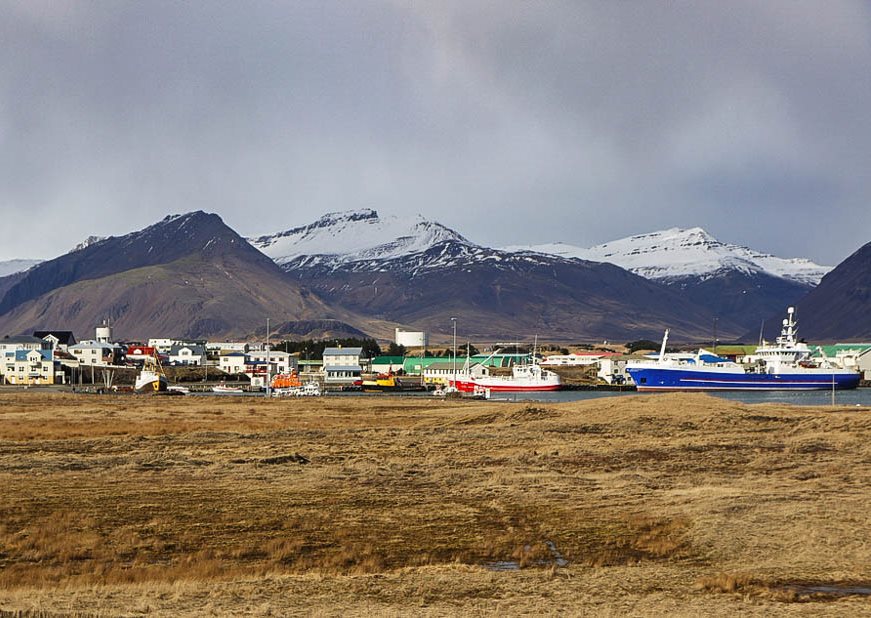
x,y
678,253
352,236
10,267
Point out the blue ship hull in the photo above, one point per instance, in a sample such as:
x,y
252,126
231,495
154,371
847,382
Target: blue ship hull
x,y
681,379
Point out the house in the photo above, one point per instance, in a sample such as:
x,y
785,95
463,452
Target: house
x,y
30,367
187,354
57,339
443,372
138,353
161,345
342,366
220,347
612,369
233,363
96,353
22,342
258,368
279,362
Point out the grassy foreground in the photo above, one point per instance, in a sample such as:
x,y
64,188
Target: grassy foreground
x,y
643,505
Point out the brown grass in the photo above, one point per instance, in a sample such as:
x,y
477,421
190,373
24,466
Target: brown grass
x,y
678,504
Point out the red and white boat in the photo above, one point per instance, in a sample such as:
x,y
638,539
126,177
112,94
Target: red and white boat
x,y
525,377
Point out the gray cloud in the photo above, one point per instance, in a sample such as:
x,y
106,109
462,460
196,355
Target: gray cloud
x,y
511,121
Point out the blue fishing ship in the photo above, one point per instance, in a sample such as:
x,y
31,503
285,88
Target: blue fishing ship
x,y
786,364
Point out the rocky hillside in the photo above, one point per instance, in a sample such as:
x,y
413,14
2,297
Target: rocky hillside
x,y
186,276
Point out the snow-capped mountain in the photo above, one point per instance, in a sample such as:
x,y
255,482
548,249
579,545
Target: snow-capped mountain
x,y
10,267
413,271
353,236
90,240
676,254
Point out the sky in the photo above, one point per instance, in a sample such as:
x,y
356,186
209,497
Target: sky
x,y
510,121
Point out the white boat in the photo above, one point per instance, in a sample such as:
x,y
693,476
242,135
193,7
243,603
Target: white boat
x,y
223,388
525,377
175,388
150,378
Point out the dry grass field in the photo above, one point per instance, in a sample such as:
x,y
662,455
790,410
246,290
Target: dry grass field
x,y
641,505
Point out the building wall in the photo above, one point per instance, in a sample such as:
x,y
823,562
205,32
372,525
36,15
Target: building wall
x,y
280,362
35,370
231,363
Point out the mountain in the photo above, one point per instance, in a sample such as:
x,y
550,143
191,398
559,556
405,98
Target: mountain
x,y
421,274
676,254
186,276
839,308
346,237
11,267
732,281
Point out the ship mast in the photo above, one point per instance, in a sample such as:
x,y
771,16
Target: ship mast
x,y
661,359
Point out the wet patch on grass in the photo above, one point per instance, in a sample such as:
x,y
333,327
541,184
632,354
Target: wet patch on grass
x,y
797,591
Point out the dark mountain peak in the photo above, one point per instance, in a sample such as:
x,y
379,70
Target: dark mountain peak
x,y
837,309
174,237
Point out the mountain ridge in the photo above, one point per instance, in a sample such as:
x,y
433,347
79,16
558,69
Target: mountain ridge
x,y
189,273
677,253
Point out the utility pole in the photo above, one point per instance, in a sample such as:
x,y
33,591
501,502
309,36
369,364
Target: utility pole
x,y
268,367
715,335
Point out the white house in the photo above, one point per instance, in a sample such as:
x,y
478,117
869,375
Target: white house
x,y
96,353
342,356
218,347
234,362
279,362
24,342
28,367
161,345
613,370
443,372
342,366
180,354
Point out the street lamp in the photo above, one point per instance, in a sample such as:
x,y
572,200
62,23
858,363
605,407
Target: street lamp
x,y
454,322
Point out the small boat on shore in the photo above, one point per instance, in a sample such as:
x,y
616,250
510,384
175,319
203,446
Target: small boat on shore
x,y
151,378
224,389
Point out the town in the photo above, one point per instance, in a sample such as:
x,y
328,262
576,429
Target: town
x,y
56,357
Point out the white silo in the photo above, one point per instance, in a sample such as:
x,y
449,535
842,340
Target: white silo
x,y
410,339
104,333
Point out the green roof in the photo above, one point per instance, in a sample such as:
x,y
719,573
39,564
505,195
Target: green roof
x,y
388,360
413,364
832,350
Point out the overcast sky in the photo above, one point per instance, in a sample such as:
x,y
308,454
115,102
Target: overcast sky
x,y
513,122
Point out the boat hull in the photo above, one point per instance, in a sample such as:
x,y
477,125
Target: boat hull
x,y
506,387
149,382
670,379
